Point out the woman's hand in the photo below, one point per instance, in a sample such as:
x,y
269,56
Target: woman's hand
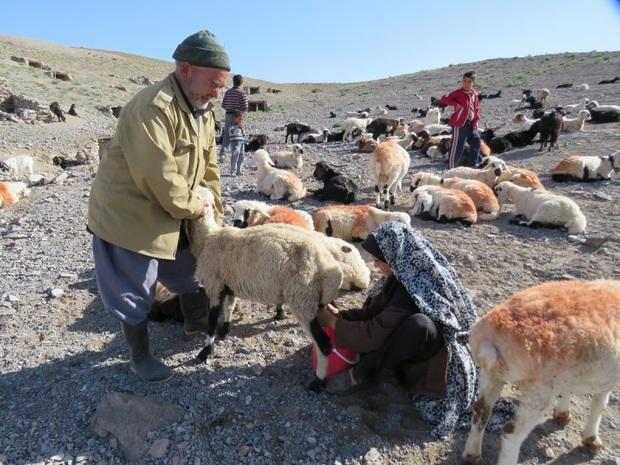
x,y
326,318
333,310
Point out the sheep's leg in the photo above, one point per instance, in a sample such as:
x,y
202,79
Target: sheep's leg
x,y
230,302
489,390
561,412
534,404
323,349
386,196
214,316
589,436
378,192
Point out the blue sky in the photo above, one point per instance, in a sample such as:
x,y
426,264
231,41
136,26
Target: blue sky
x,y
326,41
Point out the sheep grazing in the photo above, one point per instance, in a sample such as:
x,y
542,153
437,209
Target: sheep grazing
x,y
382,126
11,192
289,158
550,126
610,81
257,141
336,186
249,213
586,169
275,183
272,264
535,208
350,124
293,129
18,167
388,165
575,124
443,205
57,111
487,175
557,339
353,223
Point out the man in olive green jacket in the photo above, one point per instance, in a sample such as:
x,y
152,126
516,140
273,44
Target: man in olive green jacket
x,y
163,148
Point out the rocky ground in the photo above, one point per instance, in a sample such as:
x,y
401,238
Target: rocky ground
x,y
61,354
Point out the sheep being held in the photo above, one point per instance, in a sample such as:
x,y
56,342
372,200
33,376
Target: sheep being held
x,y
273,264
557,339
535,208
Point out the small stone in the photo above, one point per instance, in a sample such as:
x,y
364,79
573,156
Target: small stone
x,y
243,451
158,448
550,453
372,455
55,293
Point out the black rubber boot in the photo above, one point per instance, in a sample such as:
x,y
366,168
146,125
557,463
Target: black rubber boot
x,y
142,362
195,309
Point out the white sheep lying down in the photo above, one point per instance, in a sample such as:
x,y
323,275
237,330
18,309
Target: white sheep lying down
x,y
272,264
487,175
534,207
558,339
275,183
289,158
11,192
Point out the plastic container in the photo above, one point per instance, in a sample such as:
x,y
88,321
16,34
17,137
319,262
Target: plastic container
x,y
339,360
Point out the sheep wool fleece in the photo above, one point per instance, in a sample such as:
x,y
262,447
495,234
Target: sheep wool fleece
x,y
437,291
145,184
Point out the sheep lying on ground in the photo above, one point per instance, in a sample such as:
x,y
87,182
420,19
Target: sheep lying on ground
x,y
257,141
443,205
11,192
18,167
336,186
586,169
535,208
487,175
519,176
523,121
557,339
483,197
353,223
289,158
577,107
273,264
276,183
366,144
254,213
575,124
388,165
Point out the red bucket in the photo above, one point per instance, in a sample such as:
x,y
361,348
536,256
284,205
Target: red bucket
x,y
339,360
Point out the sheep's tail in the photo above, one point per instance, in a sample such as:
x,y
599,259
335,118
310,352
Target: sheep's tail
x,y
487,356
577,224
486,216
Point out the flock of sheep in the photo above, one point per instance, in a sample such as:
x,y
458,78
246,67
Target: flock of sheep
x,y
301,261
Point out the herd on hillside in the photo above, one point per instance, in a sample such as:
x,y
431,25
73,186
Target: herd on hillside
x,y
276,242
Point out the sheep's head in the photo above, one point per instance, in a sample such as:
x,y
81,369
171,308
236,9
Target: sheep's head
x,y
501,190
297,148
615,161
4,166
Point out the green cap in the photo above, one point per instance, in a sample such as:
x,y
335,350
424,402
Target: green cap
x,y
203,49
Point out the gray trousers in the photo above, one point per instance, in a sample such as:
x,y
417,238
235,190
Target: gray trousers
x,y
127,280
225,134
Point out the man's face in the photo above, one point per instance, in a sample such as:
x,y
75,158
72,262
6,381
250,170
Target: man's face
x,y
203,84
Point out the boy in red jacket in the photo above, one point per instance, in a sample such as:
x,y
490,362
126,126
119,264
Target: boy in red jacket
x,y
464,121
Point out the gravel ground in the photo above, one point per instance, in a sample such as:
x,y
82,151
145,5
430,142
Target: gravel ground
x,y
61,353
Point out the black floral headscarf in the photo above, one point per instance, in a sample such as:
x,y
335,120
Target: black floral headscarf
x,y
436,289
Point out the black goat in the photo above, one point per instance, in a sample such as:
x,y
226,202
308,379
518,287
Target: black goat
x,y
335,137
604,116
55,108
532,102
610,81
295,128
256,142
550,127
72,111
435,102
498,94
336,186
64,163
391,107
564,86
381,126
332,114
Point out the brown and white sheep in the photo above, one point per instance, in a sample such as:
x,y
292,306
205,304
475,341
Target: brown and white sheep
x,y
388,165
288,158
276,183
249,213
553,340
519,176
586,168
11,192
443,205
353,223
